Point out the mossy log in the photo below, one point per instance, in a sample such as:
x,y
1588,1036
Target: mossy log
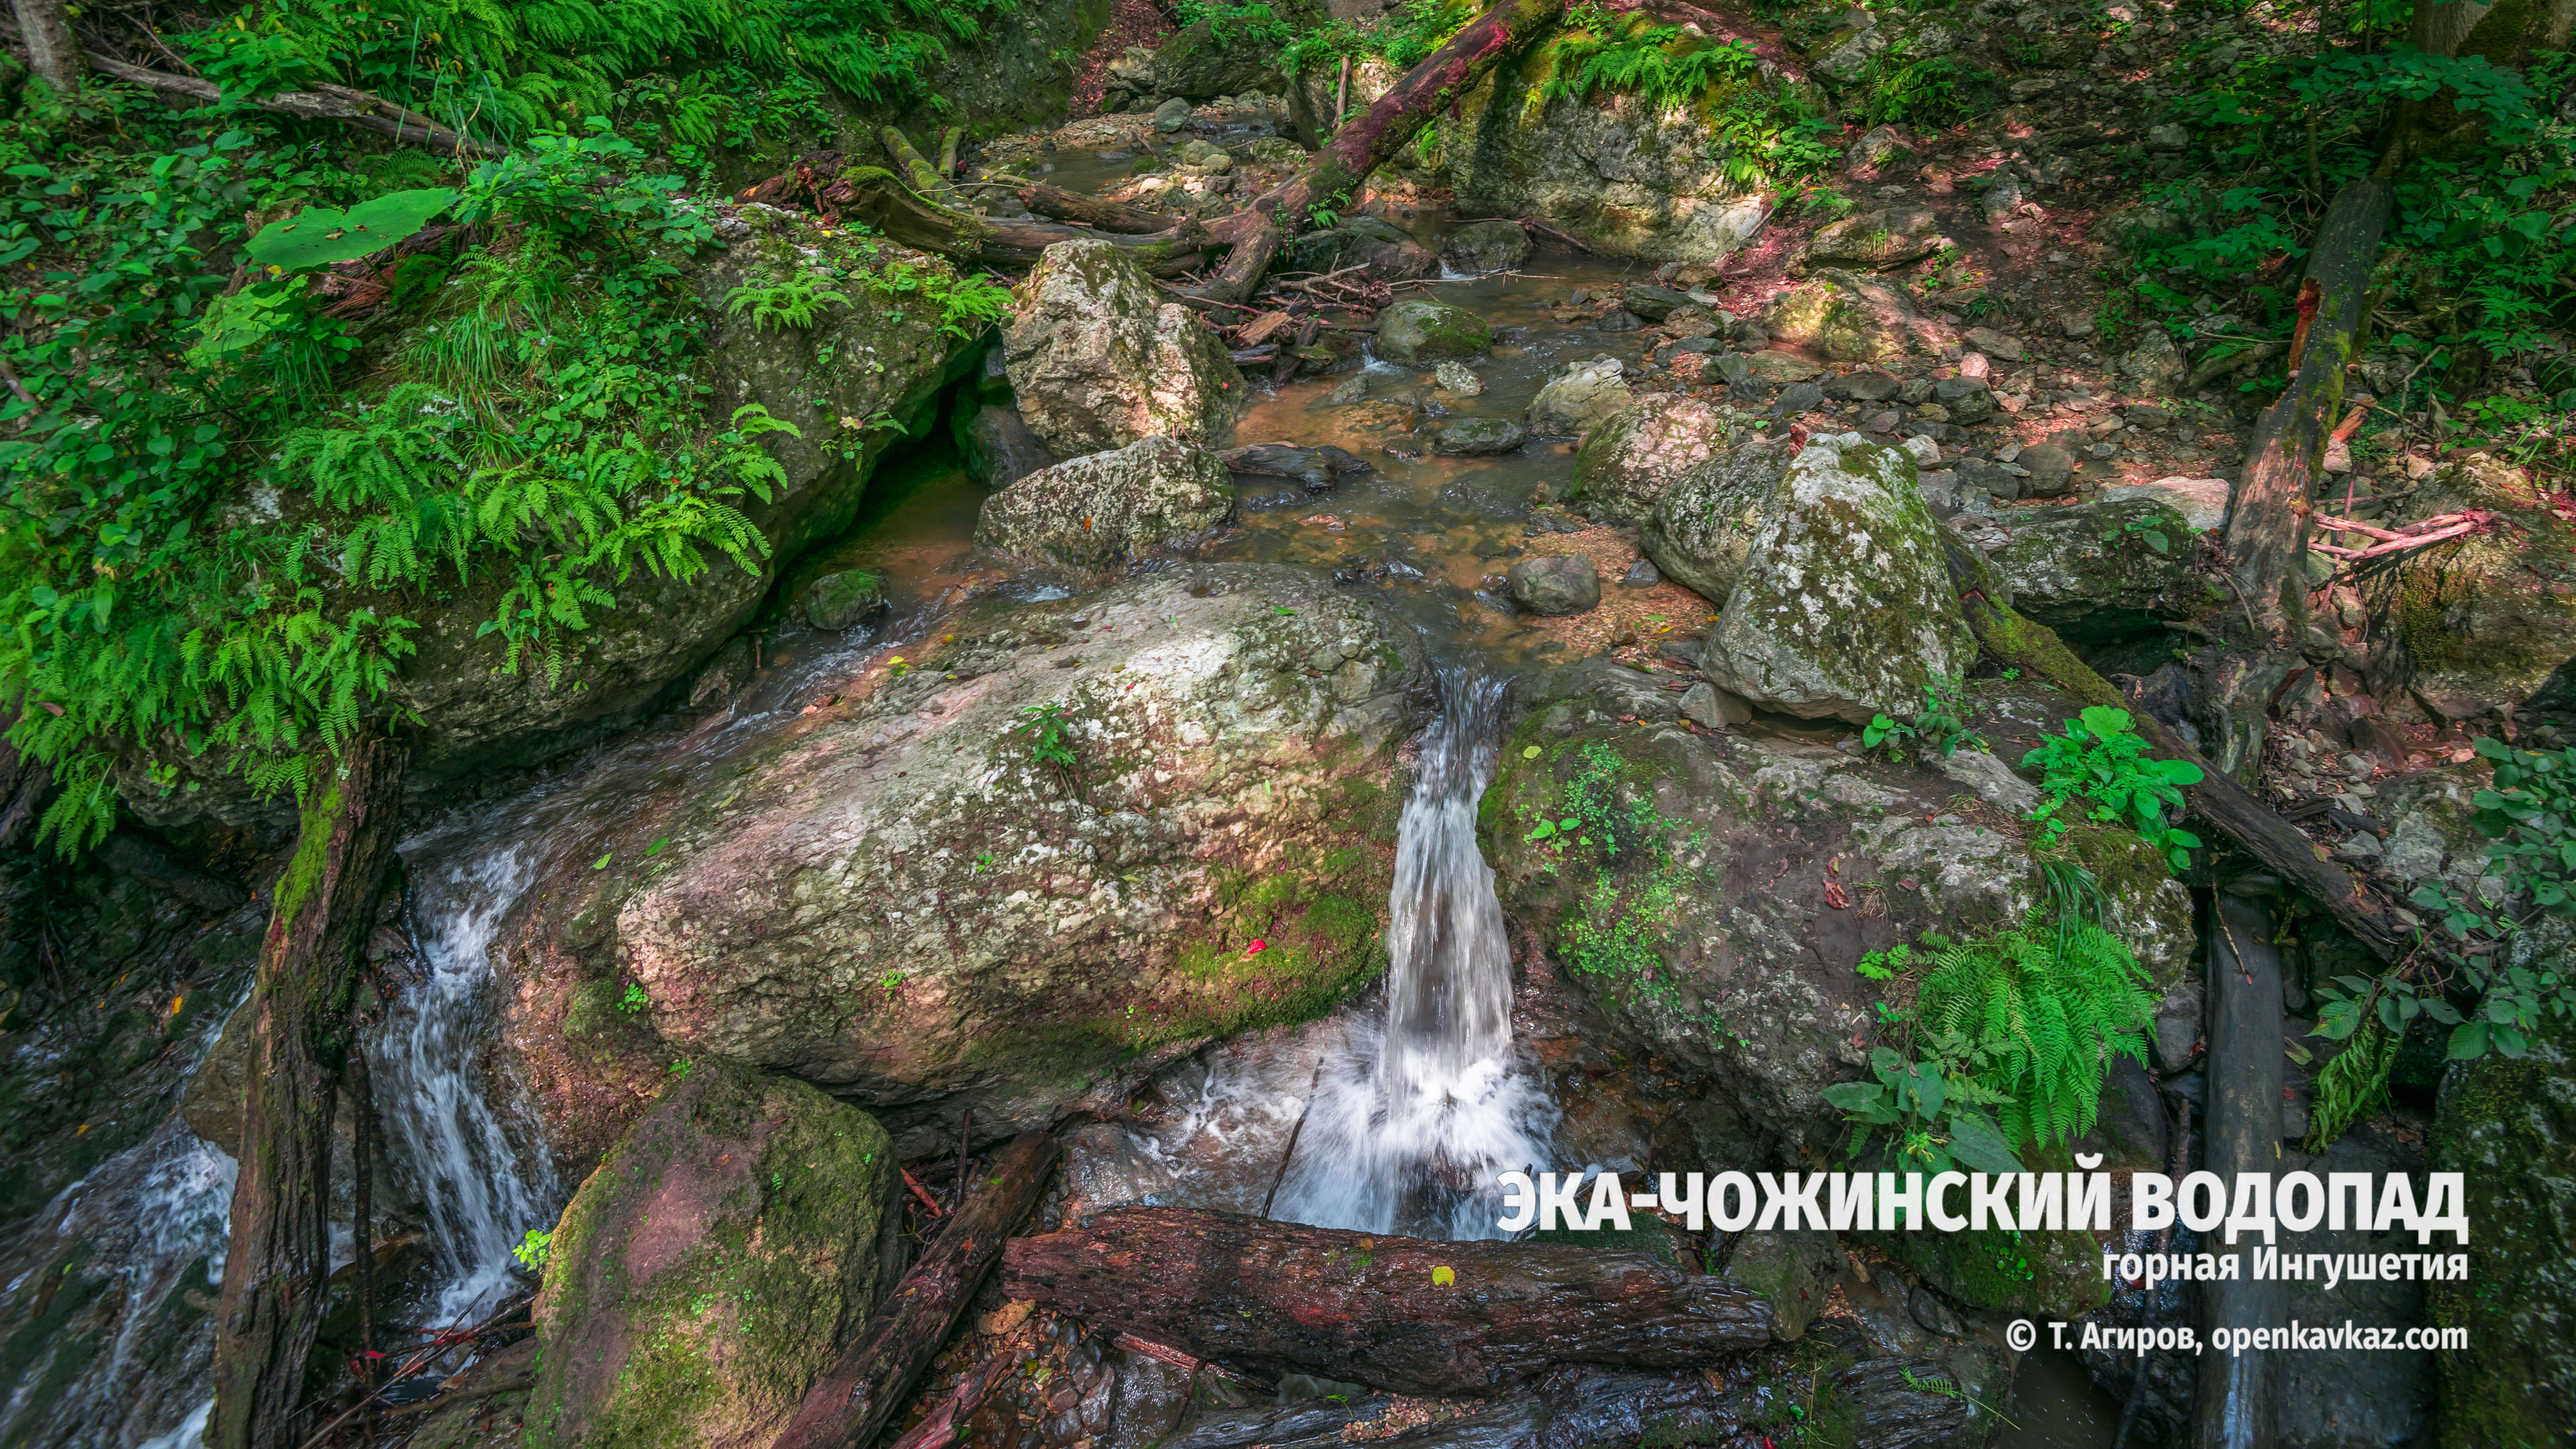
x,y
2019,643
278,1268
849,1406
1115,216
917,170
1402,1314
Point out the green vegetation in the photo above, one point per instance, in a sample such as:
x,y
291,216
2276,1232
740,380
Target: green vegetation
x,y
1940,725
1231,25
532,1250
795,302
1404,37
1766,131
2102,759
634,1000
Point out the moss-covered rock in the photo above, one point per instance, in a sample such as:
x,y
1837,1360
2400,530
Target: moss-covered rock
x,y
1844,607
1850,317
838,600
1581,398
2039,1273
2100,572
1420,332
2510,1128
1703,526
2482,620
914,899
1098,359
712,1267
1629,463
1105,509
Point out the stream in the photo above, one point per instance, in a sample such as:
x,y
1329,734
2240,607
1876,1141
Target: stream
x,y
1391,1115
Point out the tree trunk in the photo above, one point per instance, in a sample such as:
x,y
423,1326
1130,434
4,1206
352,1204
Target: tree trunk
x,y
1401,1314
849,1406
2018,643
53,52
2267,515
2233,1406
1107,215
325,102
280,1261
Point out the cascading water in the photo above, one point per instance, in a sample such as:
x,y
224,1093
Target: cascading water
x,y
481,1194
1395,1120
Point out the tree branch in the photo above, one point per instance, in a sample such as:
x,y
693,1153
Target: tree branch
x,y
325,102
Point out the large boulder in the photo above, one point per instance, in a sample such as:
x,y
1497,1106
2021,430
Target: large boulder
x,y
1849,317
1420,332
1628,463
1200,63
712,1267
1000,449
2481,620
1582,397
1105,509
1099,360
1486,246
1844,607
1703,527
2100,572
1874,240
910,898
1725,887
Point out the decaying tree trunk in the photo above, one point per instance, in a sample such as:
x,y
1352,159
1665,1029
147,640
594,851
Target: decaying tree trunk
x,y
325,102
2020,643
1107,215
53,52
280,1260
927,179
1401,1314
849,1405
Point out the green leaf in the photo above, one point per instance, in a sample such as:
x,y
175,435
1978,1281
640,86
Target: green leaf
x,y
318,236
602,862
2157,541
2388,1016
1545,829
1976,1141
1856,1096
2469,1042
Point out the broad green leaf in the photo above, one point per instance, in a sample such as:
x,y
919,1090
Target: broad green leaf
x,y
2469,1042
318,236
244,320
1976,1141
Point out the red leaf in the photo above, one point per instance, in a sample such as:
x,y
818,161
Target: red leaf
x,y
1834,896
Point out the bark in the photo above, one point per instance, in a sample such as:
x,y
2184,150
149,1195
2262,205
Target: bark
x,y
2018,643
899,212
280,1262
849,1406
2233,1406
322,103
1115,216
53,52
2267,513
916,169
1276,1298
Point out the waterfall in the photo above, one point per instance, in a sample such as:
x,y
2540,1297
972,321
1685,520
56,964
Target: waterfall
x,y
1411,1118
441,1129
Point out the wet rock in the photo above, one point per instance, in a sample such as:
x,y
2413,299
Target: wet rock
x,y
1000,448
1582,397
1847,316
1317,468
1627,463
1481,437
1933,1314
2154,366
2047,470
2101,572
838,600
1843,608
1099,360
897,900
729,1246
1455,378
1555,585
1651,302
1104,509
1703,527
1875,240
1486,246
1419,332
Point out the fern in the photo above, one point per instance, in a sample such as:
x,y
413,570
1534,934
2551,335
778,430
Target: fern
x,y
2044,1013
795,302
2353,1085
1662,63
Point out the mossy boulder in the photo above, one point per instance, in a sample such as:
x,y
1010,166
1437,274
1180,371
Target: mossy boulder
x,y
1581,398
1420,332
2482,620
1203,62
1702,528
1627,464
712,1267
2038,1273
2100,572
1844,607
915,899
839,600
2509,1127
1850,317
1103,509
1098,359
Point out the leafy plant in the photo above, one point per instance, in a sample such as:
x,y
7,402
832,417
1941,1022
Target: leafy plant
x,y
635,1000
1662,63
795,302
532,1250
1933,1124
2101,758
1939,725
318,236
2040,1015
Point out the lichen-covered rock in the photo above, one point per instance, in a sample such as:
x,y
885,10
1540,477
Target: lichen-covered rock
x,y
1104,509
1702,914
2509,1127
1099,360
838,600
1555,585
1579,399
1849,317
1627,464
2100,572
1875,240
2481,621
1419,331
1486,246
712,1267
903,900
1703,527
1844,607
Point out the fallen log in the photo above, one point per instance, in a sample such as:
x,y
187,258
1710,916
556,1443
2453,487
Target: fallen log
x,y
324,102
925,178
1117,216
2019,643
2233,1403
1401,1314
849,1406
